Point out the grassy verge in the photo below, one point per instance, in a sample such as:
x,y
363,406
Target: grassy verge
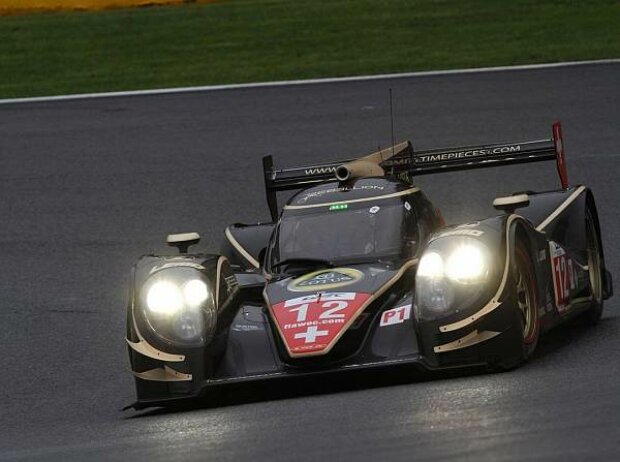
x,y
260,40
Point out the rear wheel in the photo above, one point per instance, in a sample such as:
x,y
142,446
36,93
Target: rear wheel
x,y
595,270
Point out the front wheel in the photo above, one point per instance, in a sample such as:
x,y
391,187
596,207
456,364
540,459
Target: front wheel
x,y
526,327
526,300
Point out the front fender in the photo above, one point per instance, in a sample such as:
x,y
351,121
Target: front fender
x,y
459,335
164,368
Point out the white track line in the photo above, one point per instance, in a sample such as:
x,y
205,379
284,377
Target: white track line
x,y
360,78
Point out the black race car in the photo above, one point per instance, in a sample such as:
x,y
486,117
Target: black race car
x,y
358,271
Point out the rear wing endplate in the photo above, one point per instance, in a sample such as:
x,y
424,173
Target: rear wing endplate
x,y
402,160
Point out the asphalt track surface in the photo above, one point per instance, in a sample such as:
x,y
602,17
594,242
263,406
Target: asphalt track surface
x,y
87,186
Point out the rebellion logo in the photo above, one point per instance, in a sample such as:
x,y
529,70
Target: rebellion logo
x,y
322,192
325,280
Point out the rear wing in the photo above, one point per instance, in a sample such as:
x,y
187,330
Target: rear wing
x,y
401,160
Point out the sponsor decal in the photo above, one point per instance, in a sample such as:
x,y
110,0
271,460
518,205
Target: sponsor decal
x,y
482,152
473,224
322,192
396,162
313,323
395,316
247,328
319,170
564,275
185,264
462,232
325,279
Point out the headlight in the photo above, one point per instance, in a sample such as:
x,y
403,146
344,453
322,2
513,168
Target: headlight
x,y
195,293
164,298
467,264
450,274
178,305
464,261
431,265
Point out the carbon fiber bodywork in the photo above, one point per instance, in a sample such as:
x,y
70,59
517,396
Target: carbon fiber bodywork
x,y
366,314
247,345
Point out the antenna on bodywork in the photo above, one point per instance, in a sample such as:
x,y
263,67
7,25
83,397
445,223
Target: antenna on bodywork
x,y
392,120
392,125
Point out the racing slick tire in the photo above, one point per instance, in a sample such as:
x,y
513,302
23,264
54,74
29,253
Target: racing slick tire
x,y
595,269
526,299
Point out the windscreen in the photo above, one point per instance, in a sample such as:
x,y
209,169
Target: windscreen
x,y
347,233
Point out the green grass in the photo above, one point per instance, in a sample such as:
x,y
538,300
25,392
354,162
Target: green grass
x,y
261,40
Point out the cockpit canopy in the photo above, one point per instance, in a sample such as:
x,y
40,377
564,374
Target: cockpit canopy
x,y
371,220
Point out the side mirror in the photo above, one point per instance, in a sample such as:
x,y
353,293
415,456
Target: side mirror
x,y
510,203
182,241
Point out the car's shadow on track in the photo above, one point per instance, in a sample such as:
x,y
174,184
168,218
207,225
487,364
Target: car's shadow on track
x,y
559,340
294,387
572,336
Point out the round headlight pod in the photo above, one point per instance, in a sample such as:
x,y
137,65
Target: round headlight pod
x,y
467,263
195,293
164,297
177,305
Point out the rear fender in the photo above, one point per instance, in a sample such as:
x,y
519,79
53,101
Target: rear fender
x,y
558,215
607,278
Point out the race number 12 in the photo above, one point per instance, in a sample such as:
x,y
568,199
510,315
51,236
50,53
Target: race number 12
x,y
563,276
